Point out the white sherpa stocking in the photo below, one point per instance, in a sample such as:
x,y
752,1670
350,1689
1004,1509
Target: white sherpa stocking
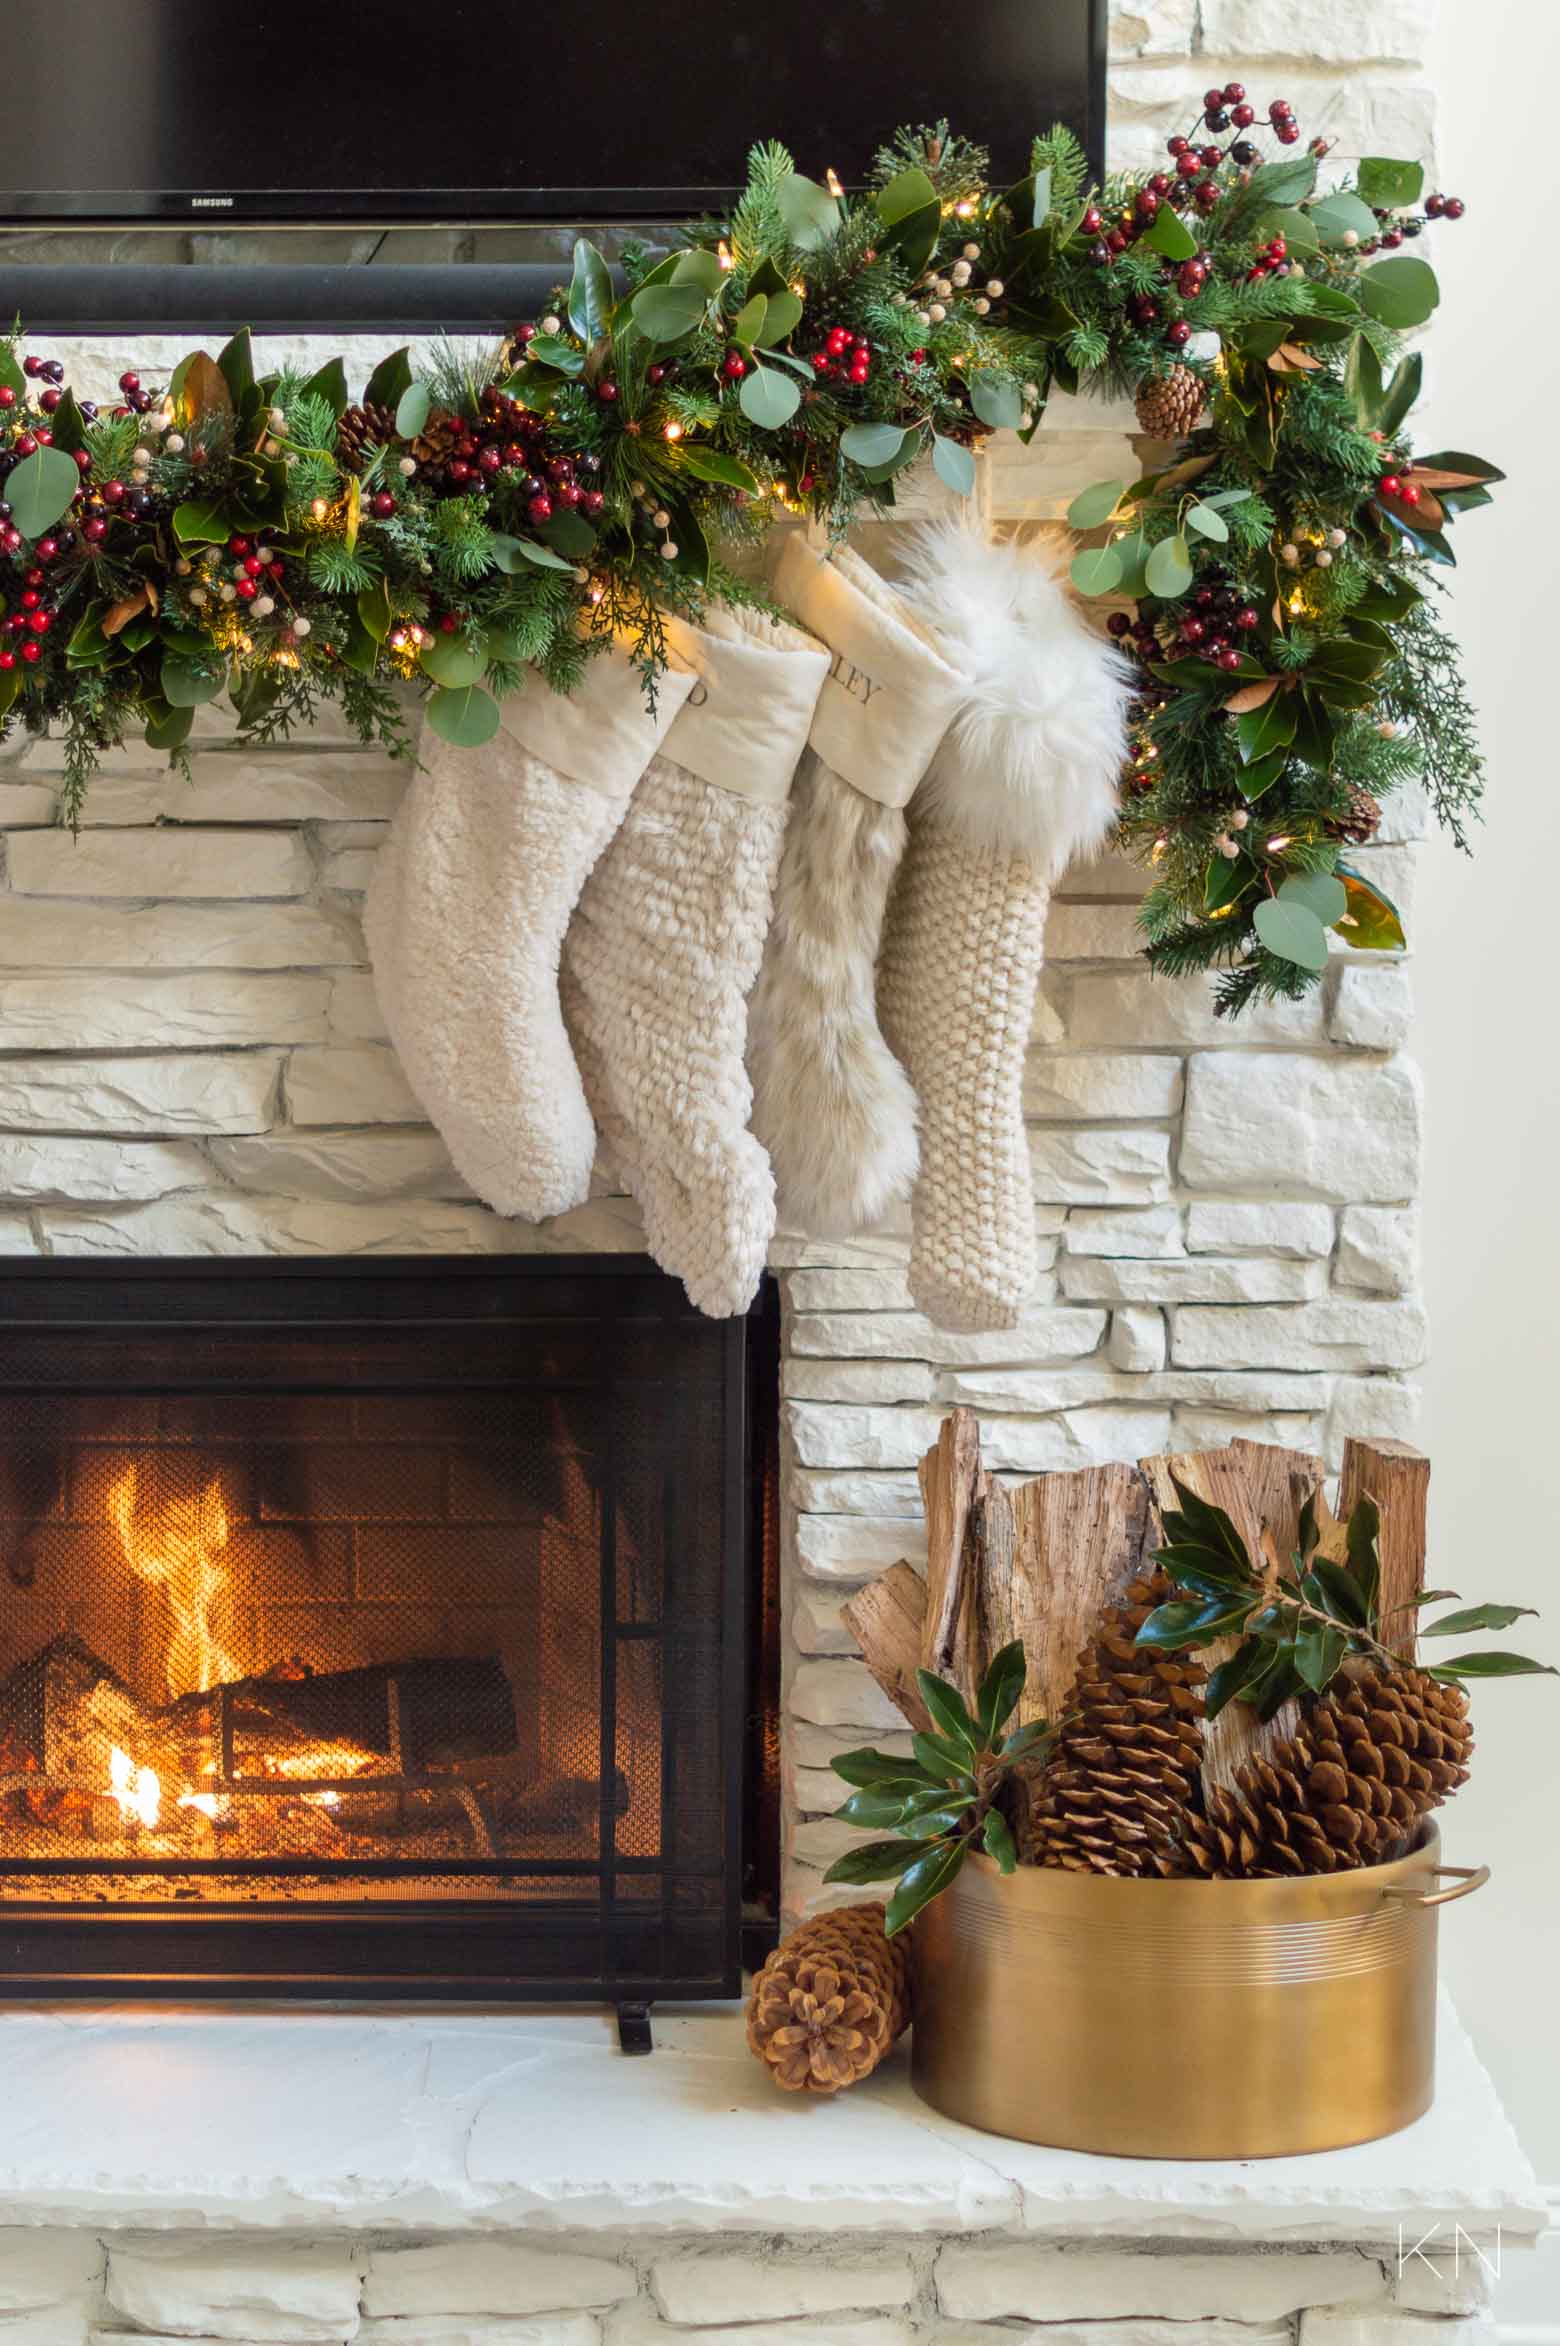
x,y
466,916
1025,780
665,944
831,1103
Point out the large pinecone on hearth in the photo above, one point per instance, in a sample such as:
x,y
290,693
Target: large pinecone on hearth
x,y
1370,1759
831,2002
1169,405
1124,1770
361,430
1361,819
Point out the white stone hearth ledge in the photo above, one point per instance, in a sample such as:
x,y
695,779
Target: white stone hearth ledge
x,y
329,2122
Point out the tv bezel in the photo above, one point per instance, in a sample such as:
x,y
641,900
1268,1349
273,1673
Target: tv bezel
x,y
187,209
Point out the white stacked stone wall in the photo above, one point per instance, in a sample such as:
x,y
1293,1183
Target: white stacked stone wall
x,y
79,2288
192,1059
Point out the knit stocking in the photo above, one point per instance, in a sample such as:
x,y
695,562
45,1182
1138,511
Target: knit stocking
x,y
831,1103
665,944
1025,780
466,917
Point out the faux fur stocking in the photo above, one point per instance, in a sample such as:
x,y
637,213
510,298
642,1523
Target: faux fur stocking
x,y
1025,780
831,1103
665,944
466,917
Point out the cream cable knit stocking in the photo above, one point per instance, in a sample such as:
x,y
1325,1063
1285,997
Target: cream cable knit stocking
x,y
1025,780
665,944
830,1101
466,916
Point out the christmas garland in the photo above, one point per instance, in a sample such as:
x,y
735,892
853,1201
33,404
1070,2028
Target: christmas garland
x,y
270,539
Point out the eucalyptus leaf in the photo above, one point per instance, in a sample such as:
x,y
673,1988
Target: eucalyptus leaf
x,y
1208,522
1401,291
451,662
1292,933
996,401
783,315
512,555
694,267
188,683
413,409
768,398
665,313
1093,507
40,489
1170,235
953,464
810,213
465,718
748,324
1391,184
1169,569
1337,217
868,444
1319,892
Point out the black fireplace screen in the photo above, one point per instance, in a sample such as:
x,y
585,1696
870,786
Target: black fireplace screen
x,y
371,1627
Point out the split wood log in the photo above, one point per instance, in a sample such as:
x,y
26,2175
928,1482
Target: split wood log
x,y
1221,1477
952,1479
1280,1481
1397,1477
1057,1553
887,1619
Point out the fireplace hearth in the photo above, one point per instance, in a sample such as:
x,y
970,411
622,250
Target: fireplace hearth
x,y
376,1628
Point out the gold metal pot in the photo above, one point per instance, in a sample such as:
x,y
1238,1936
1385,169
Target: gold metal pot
x,y
1183,2020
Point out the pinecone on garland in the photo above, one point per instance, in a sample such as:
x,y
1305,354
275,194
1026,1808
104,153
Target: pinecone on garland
x,y
361,430
1169,405
1123,1773
831,2002
1370,1759
435,443
1361,819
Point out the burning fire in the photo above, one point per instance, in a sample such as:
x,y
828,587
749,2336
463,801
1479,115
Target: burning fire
x,y
178,1544
137,1790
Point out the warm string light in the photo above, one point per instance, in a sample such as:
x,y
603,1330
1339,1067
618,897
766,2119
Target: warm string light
x,y
832,182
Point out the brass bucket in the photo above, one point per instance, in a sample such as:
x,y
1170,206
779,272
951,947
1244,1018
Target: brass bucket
x,y
1183,2020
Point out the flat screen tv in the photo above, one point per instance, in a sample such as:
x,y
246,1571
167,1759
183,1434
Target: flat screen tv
x,y
180,111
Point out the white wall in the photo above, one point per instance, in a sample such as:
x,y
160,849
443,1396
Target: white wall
x,y
1485,983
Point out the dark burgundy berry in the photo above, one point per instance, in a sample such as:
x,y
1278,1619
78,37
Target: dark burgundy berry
x,y
1178,335
1454,208
129,383
1218,119
1286,133
1234,91
383,505
1243,152
1118,624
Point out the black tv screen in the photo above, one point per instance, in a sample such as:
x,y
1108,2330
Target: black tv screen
x,y
176,110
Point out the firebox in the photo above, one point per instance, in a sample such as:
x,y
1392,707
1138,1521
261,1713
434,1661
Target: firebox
x,y
376,1628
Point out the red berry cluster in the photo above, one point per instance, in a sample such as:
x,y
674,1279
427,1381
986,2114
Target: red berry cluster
x,y
1444,207
505,438
1272,257
33,615
1214,621
251,570
557,484
844,358
1392,482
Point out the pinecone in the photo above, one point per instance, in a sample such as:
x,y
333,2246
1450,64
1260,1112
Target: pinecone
x,y
1124,1770
1370,1759
1169,405
1362,820
361,429
831,2001
435,443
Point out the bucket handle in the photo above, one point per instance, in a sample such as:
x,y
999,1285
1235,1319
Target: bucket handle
x,y
1467,1877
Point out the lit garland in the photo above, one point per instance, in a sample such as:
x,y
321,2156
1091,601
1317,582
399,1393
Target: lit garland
x,y
273,540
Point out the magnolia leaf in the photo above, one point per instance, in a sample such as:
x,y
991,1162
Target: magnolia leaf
x,y
451,662
876,1805
768,398
1289,358
329,383
1265,729
1474,466
1226,880
412,410
40,489
121,613
1262,773
872,443
1372,922
1400,292
1097,570
665,313
1000,1689
1208,523
373,608
1251,696
953,465
1476,1617
1426,512
590,292
1388,183
170,728
921,1883
1175,476
1169,234
870,1767
1492,1664
1169,569
203,389
390,380
1319,892
996,401
997,1835
946,1706
874,1861
1093,507
910,191
354,520
713,464
1436,476
1292,933
555,351
465,718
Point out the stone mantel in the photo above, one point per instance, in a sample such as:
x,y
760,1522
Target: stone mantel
x,y
334,2123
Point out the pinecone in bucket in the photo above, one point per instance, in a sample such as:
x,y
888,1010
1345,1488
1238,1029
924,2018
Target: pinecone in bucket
x,y
1169,405
831,2002
361,430
1350,1787
1360,821
1124,1771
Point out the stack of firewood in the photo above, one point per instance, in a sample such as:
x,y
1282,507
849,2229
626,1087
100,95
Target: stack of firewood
x,y
1065,1565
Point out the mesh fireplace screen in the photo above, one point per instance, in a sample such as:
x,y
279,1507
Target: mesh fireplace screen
x,y
381,1621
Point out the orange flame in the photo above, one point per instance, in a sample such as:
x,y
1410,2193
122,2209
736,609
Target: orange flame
x,y
178,1544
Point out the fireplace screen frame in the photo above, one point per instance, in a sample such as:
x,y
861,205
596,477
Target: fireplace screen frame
x,y
685,1942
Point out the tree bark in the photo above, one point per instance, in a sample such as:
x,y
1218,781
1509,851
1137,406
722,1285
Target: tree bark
x,y
1398,1479
887,1619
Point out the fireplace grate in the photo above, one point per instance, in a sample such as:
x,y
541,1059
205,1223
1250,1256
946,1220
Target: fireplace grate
x,y
375,1628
